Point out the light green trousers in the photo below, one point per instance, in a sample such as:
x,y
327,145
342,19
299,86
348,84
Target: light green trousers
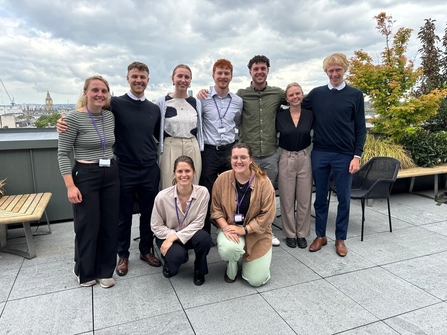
x,y
256,272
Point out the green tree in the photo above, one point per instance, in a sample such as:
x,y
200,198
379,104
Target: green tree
x,y
47,120
389,84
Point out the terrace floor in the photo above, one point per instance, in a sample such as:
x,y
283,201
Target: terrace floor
x,y
391,283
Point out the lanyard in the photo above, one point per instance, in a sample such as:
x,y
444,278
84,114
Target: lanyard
x,y
103,143
218,109
180,224
238,203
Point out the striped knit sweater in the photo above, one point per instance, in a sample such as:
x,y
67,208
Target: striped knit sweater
x,y
82,138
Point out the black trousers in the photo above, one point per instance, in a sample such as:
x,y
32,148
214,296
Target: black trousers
x,y
176,255
143,181
214,162
96,220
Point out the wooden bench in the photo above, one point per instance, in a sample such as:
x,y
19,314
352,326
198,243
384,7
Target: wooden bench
x,y
421,171
22,208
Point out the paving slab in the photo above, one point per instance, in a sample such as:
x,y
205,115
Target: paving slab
x,y
403,244
165,324
248,315
428,273
134,299
439,227
326,262
372,329
7,280
431,320
66,312
42,278
411,215
317,307
214,290
382,293
287,270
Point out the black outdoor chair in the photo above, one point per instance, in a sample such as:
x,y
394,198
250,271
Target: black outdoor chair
x,y
374,180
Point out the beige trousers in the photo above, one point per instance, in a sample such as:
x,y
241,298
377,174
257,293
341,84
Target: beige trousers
x,y
173,147
295,186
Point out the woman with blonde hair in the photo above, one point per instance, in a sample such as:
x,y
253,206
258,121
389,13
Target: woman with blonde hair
x,y
293,125
181,126
92,184
244,206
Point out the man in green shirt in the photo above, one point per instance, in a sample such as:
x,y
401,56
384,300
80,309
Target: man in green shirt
x,y
261,103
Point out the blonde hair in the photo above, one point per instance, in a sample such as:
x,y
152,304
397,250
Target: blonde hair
x,y
82,102
337,58
292,84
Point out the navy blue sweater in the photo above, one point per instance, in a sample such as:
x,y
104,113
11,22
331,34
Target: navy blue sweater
x,y
136,124
339,124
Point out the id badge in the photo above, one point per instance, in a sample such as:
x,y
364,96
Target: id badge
x,y
238,217
221,130
104,162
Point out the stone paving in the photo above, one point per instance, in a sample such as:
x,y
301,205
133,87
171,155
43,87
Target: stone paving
x,y
391,283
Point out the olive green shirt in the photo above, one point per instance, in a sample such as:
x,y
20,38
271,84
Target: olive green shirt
x,y
258,118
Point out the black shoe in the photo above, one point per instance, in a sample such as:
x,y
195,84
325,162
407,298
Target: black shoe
x,y
227,279
291,242
199,278
166,272
302,243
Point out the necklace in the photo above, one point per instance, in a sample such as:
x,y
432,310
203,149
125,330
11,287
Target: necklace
x,y
241,186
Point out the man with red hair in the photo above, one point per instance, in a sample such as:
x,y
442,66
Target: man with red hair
x,y
221,114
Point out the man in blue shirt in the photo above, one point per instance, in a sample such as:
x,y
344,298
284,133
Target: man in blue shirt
x,y
221,114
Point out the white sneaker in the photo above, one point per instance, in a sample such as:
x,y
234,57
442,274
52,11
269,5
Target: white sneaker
x,y
106,282
86,284
275,241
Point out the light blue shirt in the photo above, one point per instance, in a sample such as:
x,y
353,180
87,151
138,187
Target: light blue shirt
x,y
221,112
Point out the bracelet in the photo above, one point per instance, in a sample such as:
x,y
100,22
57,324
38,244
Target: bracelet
x,y
246,230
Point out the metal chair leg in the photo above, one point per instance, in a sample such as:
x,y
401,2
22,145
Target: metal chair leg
x,y
389,214
363,216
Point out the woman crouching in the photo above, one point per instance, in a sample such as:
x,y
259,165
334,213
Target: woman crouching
x,y
177,220
244,206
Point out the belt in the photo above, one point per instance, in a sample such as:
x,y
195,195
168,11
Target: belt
x,y
220,147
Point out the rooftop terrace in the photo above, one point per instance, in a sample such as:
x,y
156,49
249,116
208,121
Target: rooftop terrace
x,y
391,283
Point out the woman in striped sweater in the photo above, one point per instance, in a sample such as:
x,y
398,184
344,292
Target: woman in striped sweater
x,y
92,184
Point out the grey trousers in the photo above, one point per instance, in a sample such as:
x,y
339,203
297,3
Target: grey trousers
x,y
295,185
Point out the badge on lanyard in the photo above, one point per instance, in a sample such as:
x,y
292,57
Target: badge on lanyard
x,y
104,162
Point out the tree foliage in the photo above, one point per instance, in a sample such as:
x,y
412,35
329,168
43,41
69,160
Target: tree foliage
x,y
434,66
47,120
389,84
430,57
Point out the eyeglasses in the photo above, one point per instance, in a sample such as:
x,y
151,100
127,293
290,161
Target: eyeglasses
x,y
242,158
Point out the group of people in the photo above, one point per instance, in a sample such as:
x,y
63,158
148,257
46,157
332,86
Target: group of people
x,y
204,177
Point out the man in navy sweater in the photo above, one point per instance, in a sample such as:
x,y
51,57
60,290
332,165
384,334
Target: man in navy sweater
x,y
339,136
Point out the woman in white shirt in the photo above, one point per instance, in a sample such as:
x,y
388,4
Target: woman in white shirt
x,y
181,126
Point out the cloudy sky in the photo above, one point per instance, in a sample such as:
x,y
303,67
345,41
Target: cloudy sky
x,y
55,44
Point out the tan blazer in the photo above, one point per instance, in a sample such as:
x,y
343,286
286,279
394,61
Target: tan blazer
x,y
260,215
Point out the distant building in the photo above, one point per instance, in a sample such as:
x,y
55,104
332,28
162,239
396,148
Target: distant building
x,y
48,102
7,121
190,93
